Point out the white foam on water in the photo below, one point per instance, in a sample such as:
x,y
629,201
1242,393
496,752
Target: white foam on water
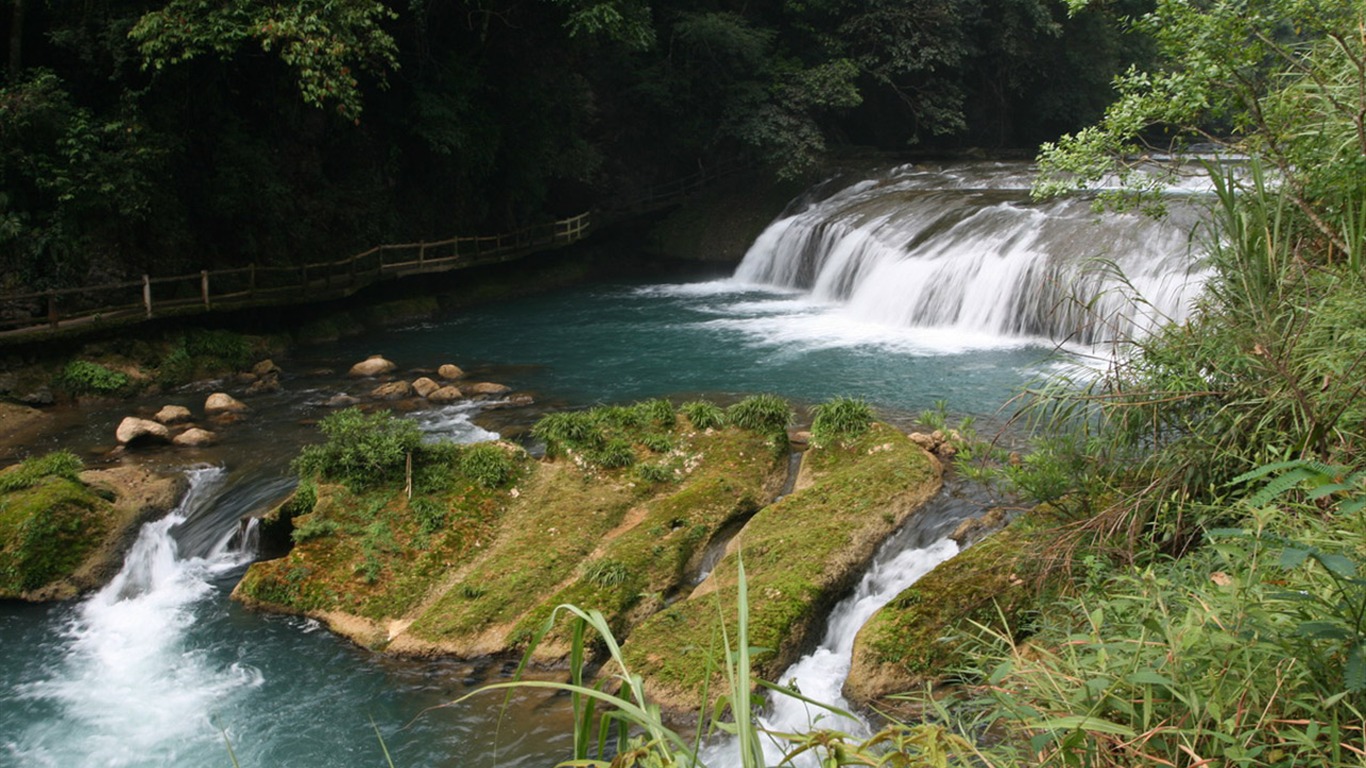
x,y
129,692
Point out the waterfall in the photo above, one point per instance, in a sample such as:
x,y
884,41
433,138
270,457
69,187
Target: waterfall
x,y
820,675
965,249
129,692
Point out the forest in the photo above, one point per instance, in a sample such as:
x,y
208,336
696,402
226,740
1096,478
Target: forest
x,y
165,137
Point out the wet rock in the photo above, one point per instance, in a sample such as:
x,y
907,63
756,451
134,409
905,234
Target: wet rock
x,y
265,385
394,390
173,414
244,378
446,395
973,529
40,396
266,368
450,372
373,365
195,437
486,388
221,402
425,386
341,400
135,430
516,401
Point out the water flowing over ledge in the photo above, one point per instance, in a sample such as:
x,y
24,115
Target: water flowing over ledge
x,y
966,250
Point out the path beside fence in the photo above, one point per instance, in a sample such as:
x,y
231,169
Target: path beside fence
x,y
32,315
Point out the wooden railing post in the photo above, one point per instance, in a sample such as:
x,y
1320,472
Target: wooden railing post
x,y
204,287
421,252
52,310
147,294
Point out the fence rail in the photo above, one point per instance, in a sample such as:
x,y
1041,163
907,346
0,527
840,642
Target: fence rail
x,y
29,314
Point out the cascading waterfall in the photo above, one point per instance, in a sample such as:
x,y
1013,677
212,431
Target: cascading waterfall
x,y
820,675
129,692
967,250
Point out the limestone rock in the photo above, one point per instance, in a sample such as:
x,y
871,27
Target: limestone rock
x,y
265,385
221,402
373,365
450,372
341,400
132,429
394,390
173,414
446,395
425,386
973,529
516,401
487,388
195,437
266,368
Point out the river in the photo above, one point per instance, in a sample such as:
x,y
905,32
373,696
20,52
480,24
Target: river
x,y
908,289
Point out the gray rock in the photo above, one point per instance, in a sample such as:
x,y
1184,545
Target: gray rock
x,y
132,430
394,390
221,402
173,414
373,365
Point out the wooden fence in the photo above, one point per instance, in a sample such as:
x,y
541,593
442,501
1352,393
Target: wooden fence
x,y
28,314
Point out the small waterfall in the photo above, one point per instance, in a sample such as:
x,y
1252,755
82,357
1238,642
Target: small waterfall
x,y
966,249
820,675
129,692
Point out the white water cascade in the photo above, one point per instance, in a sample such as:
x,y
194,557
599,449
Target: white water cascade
x,y
128,691
820,675
964,249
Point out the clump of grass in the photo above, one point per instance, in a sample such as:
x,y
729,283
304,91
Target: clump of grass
x,y
82,377
361,450
607,572
614,454
487,464
766,414
30,471
840,420
704,415
430,514
568,431
314,527
654,473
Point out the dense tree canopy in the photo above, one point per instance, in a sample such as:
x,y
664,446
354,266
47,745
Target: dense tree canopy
x,y
166,135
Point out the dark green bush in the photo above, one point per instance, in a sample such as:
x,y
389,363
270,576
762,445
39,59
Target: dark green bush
x,y
562,432
487,464
840,419
82,377
704,415
27,473
361,450
232,349
614,454
766,414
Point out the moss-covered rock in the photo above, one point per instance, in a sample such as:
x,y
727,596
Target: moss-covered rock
x,y
917,638
63,533
497,560
801,555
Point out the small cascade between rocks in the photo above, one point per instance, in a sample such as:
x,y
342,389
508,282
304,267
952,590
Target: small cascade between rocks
x,y
129,691
965,249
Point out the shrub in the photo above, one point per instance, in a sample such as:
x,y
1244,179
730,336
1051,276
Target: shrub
x,y
314,527
654,473
658,442
840,420
361,450
487,464
614,454
231,349
562,432
430,514
704,415
81,377
27,473
766,414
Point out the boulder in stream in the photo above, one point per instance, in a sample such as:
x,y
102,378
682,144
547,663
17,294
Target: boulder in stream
x,y
373,365
222,403
173,414
135,430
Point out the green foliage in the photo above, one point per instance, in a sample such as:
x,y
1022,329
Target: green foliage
x,y
314,527
840,420
654,473
430,513
323,42
607,572
81,377
361,450
31,471
767,414
613,454
1324,481
488,464
230,349
568,431
704,415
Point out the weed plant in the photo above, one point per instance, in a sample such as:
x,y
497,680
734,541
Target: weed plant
x,y
33,470
362,450
82,377
840,420
766,414
704,415
488,464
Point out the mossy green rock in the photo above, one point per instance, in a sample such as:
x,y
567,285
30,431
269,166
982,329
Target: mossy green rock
x,y
486,579
62,536
917,638
800,556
